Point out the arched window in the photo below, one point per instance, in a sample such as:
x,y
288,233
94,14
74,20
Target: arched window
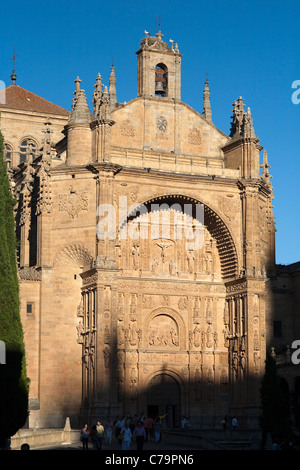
x,y
8,154
27,146
161,80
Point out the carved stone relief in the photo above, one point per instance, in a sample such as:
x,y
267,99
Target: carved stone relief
x,y
73,203
163,332
194,136
127,128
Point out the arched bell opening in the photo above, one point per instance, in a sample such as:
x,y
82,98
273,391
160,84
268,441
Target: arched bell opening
x,y
161,80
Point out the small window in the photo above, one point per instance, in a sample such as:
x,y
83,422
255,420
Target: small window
x,y
27,146
277,329
29,308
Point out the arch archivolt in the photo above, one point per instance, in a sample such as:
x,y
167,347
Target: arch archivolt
x,y
213,224
165,372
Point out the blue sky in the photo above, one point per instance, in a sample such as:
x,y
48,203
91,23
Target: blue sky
x,y
247,48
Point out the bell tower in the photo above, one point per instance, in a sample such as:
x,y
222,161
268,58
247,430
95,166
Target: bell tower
x,y
159,68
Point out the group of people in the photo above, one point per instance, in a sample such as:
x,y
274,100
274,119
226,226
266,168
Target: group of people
x,y
126,429
96,435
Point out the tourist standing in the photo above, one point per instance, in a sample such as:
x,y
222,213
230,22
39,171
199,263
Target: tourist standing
x,y
100,435
85,437
140,436
127,436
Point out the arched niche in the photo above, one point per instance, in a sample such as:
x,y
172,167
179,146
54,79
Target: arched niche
x,y
164,330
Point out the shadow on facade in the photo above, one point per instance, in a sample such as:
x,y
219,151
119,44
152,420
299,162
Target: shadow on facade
x,y
169,391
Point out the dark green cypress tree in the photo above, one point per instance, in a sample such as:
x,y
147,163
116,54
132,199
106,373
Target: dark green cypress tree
x,y
274,419
13,380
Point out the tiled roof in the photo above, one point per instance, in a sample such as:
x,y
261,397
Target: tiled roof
x,y
17,97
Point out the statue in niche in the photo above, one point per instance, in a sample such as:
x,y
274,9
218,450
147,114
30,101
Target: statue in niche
x,y
133,384
121,334
80,332
196,315
190,261
209,337
243,362
133,305
216,339
80,308
135,254
132,334
85,358
197,337
172,268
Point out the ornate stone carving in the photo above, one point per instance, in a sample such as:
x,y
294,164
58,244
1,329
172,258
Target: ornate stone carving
x,y
29,274
161,123
163,332
229,205
127,128
73,203
194,136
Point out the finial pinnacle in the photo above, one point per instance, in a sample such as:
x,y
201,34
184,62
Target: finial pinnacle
x,y
13,74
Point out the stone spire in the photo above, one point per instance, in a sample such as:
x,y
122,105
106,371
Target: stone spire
x,y
81,113
112,88
265,168
76,92
13,74
97,95
247,128
237,117
105,105
206,113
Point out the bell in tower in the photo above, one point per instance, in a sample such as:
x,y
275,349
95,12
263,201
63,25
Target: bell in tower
x,y
160,81
159,68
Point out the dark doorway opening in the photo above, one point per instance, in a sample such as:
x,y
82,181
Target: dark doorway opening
x,y
163,400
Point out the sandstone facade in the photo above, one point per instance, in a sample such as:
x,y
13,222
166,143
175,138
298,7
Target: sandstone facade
x,y
124,313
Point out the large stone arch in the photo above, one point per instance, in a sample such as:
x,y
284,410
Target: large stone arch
x,y
212,220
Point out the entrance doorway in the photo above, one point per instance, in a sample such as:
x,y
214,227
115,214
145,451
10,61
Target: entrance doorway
x,y
163,399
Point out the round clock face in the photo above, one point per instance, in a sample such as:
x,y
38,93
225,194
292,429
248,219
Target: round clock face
x,y
161,123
